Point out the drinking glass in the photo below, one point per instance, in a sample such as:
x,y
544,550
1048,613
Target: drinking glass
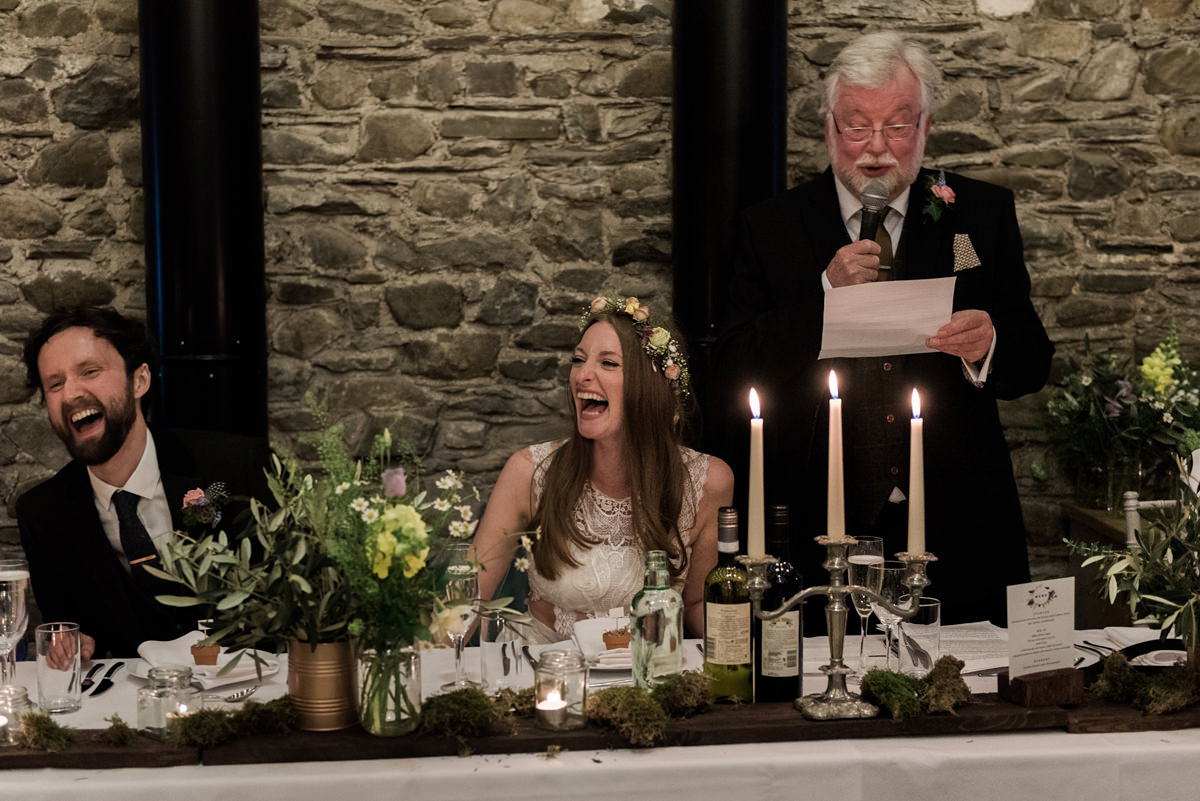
x,y
920,636
501,663
864,553
58,666
461,597
887,578
14,616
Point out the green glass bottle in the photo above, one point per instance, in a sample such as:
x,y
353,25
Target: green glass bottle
x,y
728,655
657,616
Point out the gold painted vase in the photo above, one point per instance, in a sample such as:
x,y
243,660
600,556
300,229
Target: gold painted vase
x,y
321,683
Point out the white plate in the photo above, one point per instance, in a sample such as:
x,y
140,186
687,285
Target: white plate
x,y
178,652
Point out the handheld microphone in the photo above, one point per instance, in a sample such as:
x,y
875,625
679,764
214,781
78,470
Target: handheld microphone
x,y
874,200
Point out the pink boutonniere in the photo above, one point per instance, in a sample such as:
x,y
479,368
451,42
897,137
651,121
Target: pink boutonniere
x,y
203,507
941,197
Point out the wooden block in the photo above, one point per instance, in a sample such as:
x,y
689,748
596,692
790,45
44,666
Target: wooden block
x,y
1062,687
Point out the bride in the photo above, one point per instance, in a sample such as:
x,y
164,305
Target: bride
x,y
622,485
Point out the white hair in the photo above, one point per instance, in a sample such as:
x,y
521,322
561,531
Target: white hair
x,y
873,60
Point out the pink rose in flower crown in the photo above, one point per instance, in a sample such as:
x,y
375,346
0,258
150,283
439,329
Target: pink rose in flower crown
x,y
671,371
943,193
395,483
598,304
641,314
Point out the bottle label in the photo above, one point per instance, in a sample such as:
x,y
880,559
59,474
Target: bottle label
x,y
727,633
781,646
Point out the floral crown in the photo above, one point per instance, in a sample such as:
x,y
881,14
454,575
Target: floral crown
x,y
665,354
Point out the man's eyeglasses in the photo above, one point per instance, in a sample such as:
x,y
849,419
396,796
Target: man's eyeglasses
x,y
893,133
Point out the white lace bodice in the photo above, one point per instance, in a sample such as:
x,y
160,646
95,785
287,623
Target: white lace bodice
x,y
612,569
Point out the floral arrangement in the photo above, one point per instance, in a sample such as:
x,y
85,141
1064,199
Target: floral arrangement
x,y
941,197
1103,413
203,507
658,344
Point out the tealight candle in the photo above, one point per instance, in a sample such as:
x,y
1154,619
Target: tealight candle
x,y
560,690
552,710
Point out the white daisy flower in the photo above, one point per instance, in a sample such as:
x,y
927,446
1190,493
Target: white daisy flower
x,y
465,511
442,505
370,515
521,563
340,488
359,504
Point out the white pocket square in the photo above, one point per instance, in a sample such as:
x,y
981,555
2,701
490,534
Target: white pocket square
x,y
965,256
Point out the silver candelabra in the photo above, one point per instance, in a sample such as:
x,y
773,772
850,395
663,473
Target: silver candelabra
x,y
837,702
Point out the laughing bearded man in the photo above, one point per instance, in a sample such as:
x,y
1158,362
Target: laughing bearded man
x,y
90,530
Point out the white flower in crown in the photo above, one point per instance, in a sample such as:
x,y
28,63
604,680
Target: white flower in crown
x,y
526,542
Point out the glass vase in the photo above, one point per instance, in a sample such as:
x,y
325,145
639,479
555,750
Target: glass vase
x,y
390,690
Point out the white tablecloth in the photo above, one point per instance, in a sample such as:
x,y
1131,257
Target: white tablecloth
x,y
1011,766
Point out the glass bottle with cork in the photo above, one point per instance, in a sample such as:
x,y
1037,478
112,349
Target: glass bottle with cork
x,y
657,618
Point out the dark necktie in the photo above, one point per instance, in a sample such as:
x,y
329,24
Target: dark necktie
x,y
135,540
885,244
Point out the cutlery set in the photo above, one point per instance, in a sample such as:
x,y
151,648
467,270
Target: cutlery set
x,y
105,683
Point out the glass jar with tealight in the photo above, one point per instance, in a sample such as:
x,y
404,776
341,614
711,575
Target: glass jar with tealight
x,y
169,693
560,690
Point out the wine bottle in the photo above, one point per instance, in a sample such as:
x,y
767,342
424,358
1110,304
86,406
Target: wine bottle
x,y
657,617
778,643
728,656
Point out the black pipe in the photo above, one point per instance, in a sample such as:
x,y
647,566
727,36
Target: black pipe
x,y
202,173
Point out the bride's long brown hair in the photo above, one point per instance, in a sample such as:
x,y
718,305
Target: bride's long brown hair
x,y
658,479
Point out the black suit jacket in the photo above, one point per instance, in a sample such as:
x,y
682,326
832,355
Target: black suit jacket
x,y
76,574
771,340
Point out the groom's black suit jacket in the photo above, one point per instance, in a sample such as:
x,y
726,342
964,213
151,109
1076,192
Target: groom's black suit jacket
x,y
771,341
76,574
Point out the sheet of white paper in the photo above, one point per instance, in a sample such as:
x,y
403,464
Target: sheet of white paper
x,y
885,318
1041,626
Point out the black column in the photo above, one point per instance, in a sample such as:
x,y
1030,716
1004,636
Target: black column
x,y
202,171
728,151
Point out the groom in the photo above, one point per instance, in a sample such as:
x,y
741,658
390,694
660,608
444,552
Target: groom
x,y
880,93
90,530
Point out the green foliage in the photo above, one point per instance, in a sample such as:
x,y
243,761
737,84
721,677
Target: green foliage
x,y
519,703
118,733
203,728
631,711
1156,693
277,716
1104,409
39,732
939,690
684,694
460,713
1159,579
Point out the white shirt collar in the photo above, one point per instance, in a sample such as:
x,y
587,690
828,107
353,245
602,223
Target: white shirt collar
x,y
143,482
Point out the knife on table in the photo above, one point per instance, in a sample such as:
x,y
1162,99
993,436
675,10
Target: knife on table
x,y
88,681
107,682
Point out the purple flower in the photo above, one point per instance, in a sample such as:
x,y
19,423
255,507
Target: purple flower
x,y
394,481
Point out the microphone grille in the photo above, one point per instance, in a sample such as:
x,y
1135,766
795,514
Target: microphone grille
x,y
874,195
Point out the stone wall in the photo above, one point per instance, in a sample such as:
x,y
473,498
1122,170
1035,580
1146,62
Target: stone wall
x,y
448,182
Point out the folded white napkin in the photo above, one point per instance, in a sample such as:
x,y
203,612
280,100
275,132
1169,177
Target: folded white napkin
x,y
614,659
179,652
1125,636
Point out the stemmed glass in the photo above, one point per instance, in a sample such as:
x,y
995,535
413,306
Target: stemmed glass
x,y
462,598
864,553
14,578
887,578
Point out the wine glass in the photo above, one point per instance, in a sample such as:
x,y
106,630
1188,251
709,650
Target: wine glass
x,y
887,578
14,578
461,597
864,553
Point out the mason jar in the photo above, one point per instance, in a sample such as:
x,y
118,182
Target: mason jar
x,y
169,693
560,690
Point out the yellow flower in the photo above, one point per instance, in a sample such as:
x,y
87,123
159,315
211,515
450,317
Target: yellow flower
x,y
631,305
414,562
381,553
659,337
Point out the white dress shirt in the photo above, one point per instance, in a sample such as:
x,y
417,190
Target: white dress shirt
x,y
154,509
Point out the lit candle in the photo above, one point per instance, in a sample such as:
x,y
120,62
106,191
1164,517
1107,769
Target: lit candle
x,y
916,480
552,710
836,512
755,526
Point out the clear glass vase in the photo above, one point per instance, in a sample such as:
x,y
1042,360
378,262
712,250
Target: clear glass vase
x,y
390,690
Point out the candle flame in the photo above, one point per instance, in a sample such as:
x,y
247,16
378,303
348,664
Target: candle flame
x,y
916,403
833,389
754,410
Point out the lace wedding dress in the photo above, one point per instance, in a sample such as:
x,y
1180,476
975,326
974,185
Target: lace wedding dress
x,y
612,569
